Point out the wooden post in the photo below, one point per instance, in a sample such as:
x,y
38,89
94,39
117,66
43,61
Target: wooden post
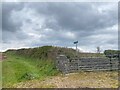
x,y
76,49
76,46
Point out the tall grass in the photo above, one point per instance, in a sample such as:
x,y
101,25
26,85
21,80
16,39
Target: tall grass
x,y
18,69
0,74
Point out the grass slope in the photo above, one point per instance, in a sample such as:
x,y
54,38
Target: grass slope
x,y
34,63
0,74
51,52
19,69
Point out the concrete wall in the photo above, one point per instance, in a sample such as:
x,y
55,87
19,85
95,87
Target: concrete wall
x,y
86,64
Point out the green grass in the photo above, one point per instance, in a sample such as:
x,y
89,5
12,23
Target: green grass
x,y
0,74
19,69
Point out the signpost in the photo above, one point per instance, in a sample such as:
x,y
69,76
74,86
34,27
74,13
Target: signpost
x,y
110,56
76,46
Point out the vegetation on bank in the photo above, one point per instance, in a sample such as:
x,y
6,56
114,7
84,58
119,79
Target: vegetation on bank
x,y
35,63
51,52
19,69
112,53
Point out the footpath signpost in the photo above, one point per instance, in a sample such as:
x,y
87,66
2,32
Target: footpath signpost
x,y
76,46
110,56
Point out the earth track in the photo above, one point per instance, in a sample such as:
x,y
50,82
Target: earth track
x,y
75,80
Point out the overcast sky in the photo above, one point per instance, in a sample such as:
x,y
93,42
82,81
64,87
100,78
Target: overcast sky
x,y
36,24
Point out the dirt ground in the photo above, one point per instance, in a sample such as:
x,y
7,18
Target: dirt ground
x,y
2,56
75,80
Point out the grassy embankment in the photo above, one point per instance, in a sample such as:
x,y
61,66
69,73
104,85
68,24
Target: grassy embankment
x,y
28,64
19,69
0,74
34,63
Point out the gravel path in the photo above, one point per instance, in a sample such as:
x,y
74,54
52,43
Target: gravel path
x,y
76,80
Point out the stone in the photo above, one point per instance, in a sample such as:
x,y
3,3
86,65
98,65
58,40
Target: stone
x,y
88,64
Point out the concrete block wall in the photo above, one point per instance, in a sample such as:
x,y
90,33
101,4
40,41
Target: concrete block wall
x,y
85,64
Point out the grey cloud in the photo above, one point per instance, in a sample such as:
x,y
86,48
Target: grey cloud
x,y
76,16
7,23
81,19
8,36
10,30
